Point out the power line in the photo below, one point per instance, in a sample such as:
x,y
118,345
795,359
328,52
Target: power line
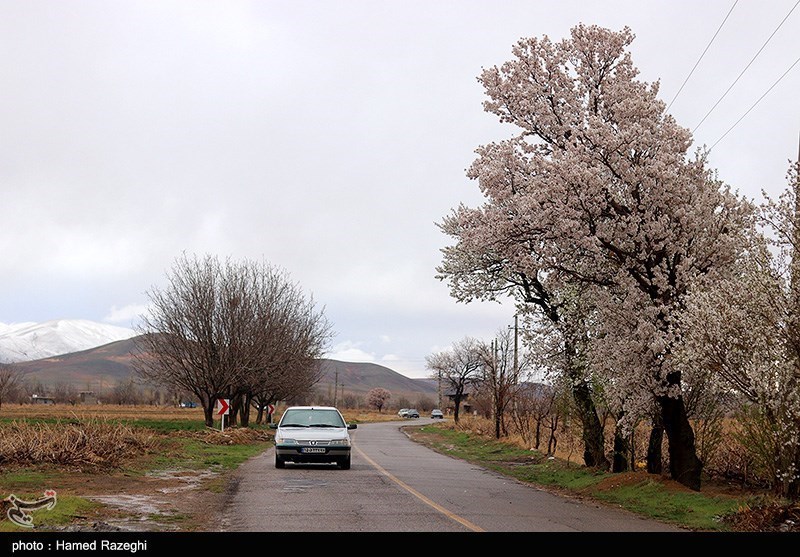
x,y
747,66
755,103
701,56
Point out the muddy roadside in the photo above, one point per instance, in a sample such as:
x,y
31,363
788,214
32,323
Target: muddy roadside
x,y
182,486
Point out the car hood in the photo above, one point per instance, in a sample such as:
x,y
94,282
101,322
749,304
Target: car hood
x,y
314,432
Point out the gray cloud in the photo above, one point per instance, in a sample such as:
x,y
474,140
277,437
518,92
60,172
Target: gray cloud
x,y
324,137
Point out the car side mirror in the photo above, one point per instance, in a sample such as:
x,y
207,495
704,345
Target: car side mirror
x,y
352,426
273,426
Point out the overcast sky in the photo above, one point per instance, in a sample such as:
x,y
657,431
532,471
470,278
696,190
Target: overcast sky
x,y
325,137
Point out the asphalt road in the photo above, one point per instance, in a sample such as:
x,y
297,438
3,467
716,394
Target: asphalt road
x,y
396,485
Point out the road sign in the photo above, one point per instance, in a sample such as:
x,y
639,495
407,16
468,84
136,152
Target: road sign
x,y
224,405
270,408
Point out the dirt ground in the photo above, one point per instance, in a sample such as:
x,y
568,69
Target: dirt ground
x,y
166,501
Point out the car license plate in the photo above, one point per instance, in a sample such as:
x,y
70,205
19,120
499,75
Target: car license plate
x,y
312,450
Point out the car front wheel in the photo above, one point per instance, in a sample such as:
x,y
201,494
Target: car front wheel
x,y
279,462
344,463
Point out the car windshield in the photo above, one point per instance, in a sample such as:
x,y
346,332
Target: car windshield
x,y
312,417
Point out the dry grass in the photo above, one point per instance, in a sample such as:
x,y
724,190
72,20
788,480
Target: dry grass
x,y
231,436
361,415
89,443
99,411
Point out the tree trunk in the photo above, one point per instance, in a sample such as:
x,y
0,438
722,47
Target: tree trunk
x,y
594,454
235,408
208,414
654,459
260,415
684,466
538,434
457,405
619,461
552,442
244,411
632,451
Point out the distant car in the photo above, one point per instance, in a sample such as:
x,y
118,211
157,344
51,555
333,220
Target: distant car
x,y
412,413
436,414
403,412
312,434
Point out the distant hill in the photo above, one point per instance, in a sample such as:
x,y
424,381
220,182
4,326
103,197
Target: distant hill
x,y
92,369
360,377
107,365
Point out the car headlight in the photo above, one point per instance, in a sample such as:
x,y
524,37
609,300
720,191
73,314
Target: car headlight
x,y
340,442
285,441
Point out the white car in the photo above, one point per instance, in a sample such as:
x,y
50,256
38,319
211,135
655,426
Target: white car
x,y
312,434
403,412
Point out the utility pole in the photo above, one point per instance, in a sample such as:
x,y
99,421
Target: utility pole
x,y
516,342
335,386
439,375
516,347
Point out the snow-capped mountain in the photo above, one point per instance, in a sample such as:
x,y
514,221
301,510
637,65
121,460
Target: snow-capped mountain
x,y
22,342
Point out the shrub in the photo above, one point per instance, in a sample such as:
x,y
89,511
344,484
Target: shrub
x,y
91,443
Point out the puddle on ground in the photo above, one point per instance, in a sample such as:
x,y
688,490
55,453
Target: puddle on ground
x,y
191,479
143,509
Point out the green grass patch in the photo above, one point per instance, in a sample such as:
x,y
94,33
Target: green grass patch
x,y
691,510
166,426
194,454
649,498
22,479
463,445
555,473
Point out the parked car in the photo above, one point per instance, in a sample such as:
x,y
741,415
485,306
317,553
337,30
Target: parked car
x,y
437,414
403,412
312,434
412,413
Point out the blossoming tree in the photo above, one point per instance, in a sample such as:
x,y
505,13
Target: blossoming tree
x,y
597,188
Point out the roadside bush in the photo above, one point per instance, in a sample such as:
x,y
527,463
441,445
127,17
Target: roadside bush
x,y
84,444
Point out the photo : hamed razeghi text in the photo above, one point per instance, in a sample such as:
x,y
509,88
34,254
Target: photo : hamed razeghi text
x,y
63,545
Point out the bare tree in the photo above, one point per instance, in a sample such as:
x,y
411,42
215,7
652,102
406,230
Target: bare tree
x,y
532,403
458,369
65,393
126,392
10,378
217,325
503,365
291,366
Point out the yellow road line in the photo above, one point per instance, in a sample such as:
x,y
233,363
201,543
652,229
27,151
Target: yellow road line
x,y
420,496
